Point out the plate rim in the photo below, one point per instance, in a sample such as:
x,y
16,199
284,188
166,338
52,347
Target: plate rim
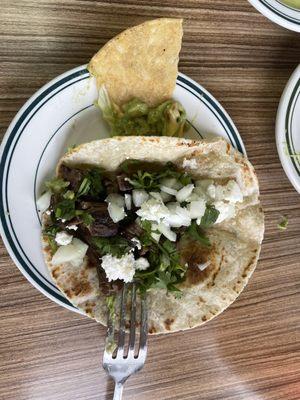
x,y
275,16
280,129
75,72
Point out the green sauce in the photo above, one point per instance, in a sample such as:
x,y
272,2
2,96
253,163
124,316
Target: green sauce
x,y
291,3
137,118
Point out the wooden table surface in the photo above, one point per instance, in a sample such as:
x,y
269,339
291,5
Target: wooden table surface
x,y
251,351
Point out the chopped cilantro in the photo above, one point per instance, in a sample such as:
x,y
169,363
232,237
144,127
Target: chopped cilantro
x,y
152,180
50,232
116,246
144,180
56,185
195,233
283,224
65,209
91,184
127,165
210,216
69,194
84,187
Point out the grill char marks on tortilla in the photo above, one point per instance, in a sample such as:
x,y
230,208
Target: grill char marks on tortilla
x,y
194,254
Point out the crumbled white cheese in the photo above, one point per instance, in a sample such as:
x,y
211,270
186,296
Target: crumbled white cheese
x,y
226,210
72,227
136,243
63,238
63,220
141,264
177,217
153,210
48,212
119,268
191,163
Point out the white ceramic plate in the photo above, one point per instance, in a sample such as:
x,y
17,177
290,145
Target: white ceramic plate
x,y
280,12
60,115
288,129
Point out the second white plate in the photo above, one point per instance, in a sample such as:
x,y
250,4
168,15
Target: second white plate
x,y
288,129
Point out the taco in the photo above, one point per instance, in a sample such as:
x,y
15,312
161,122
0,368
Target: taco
x,y
181,218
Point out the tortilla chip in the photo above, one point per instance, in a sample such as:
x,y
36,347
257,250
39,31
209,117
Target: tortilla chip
x,y
140,62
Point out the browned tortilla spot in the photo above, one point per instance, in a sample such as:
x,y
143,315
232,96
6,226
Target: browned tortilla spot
x,y
249,266
55,272
168,322
79,288
152,329
228,148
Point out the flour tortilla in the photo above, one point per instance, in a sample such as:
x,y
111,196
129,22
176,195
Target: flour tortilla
x,y
140,62
235,243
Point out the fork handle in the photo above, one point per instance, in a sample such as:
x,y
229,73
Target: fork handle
x,y
118,391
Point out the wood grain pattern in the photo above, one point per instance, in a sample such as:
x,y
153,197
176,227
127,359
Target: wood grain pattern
x,y
251,351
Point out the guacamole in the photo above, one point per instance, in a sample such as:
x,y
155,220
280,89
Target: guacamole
x,y
136,118
291,3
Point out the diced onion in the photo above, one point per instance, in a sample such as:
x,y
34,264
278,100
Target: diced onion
x,y
115,212
139,196
73,253
178,217
156,196
172,183
211,191
43,201
184,193
166,231
165,197
203,266
115,198
168,190
156,236
193,197
128,200
197,208
172,206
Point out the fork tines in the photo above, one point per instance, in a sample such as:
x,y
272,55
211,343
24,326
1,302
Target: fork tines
x,y
131,316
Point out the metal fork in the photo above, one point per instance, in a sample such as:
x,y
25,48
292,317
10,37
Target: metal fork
x,y
118,363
